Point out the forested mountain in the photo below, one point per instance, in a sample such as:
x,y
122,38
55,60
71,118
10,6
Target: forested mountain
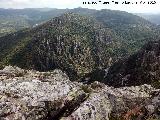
x,y
133,29
74,43
140,68
79,42
128,26
12,20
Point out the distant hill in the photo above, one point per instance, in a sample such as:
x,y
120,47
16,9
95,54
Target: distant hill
x,y
12,20
154,18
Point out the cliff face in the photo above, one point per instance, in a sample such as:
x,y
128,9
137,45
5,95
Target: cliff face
x,y
34,95
140,68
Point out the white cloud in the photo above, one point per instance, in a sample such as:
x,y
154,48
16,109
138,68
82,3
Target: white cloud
x,y
78,3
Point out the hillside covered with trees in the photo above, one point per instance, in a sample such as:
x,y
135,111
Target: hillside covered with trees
x,y
78,42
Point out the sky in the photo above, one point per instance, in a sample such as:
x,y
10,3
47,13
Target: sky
x,y
139,7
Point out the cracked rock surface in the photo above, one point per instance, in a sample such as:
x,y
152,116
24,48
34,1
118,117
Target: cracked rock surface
x,y
33,95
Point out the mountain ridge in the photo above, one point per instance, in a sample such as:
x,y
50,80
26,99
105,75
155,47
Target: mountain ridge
x,y
78,44
62,36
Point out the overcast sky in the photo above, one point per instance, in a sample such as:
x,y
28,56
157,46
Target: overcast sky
x,y
135,8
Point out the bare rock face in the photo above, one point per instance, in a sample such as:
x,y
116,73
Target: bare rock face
x,y
52,96
107,103
35,97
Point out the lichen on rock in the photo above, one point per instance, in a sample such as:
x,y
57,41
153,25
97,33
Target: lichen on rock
x,y
52,96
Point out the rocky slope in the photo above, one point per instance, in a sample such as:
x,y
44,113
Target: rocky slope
x,y
33,95
140,68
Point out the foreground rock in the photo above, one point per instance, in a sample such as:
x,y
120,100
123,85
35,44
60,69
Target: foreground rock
x,y
52,96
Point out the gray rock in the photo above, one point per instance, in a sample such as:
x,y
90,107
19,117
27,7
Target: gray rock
x,y
52,96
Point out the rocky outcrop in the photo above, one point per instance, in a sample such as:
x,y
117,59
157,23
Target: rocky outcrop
x,y
107,103
140,68
36,95
51,95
